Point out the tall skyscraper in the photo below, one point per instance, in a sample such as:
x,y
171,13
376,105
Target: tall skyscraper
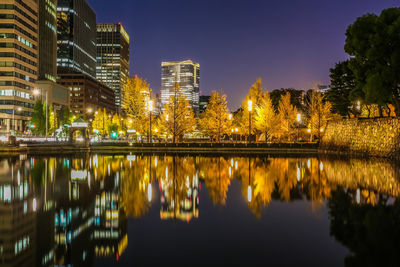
x,y
113,59
18,62
76,34
58,96
48,40
187,74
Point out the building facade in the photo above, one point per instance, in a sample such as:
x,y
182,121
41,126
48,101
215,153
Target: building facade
x,y
113,59
87,94
18,63
187,74
76,37
203,102
48,40
57,96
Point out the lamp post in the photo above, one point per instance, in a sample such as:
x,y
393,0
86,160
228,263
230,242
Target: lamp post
x,y
250,108
230,120
37,92
298,126
150,111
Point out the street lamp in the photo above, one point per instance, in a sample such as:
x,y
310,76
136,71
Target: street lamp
x,y
250,108
150,111
298,126
36,92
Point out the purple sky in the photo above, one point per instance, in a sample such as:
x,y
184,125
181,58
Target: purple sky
x,y
288,43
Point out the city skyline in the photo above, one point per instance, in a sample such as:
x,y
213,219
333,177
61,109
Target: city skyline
x,y
292,44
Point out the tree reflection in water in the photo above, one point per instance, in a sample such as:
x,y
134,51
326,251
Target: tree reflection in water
x,y
84,200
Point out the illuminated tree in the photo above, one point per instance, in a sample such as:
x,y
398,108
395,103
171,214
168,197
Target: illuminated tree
x,y
242,117
177,118
287,115
265,119
137,95
319,113
101,122
215,120
53,120
119,121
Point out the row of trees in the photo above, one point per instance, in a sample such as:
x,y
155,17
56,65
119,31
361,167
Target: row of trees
x,y
261,119
368,84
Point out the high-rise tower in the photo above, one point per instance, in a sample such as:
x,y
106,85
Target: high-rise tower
x,y
113,59
18,63
76,37
187,74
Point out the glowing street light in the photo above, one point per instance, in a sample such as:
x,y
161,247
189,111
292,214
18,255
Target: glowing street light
x,y
150,111
250,108
298,117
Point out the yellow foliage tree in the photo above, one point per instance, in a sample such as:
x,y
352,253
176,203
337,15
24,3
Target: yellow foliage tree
x,y
242,117
119,121
53,120
287,116
177,118
319,113
137,95
265,119
215,121
101,122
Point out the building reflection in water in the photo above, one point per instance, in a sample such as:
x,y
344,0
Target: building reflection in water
x,y
71,210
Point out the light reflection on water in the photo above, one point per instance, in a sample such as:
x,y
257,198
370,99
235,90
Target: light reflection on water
x,y
76,210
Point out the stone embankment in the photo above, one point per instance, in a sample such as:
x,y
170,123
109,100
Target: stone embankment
x,y
376,137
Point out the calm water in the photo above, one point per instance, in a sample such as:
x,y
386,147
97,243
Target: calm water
x,y
136,210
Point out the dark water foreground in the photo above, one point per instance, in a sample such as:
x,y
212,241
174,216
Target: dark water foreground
x,y
134,210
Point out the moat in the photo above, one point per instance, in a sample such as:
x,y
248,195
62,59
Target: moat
x,y
144,210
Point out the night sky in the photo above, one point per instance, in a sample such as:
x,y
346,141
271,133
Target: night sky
x,y
288,43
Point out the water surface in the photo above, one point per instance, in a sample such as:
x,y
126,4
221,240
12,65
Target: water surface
x,y
152,210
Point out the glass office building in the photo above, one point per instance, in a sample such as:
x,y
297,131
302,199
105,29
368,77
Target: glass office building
x,y
113,59
187,74
18,63
76,37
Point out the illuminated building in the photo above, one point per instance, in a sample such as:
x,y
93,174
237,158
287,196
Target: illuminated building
x,y
87,93
187,74
58,96
113,59
204,100
18,63
76,37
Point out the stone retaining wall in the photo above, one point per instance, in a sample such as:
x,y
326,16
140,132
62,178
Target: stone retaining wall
x,y
377,137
